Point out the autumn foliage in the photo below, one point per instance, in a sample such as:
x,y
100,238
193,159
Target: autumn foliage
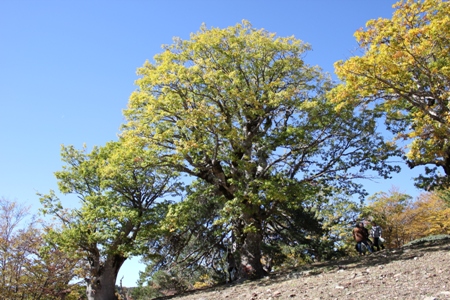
x,y
29,267
404,219
403,75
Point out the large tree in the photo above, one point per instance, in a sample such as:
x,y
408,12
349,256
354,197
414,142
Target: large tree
x,y
239,109
121,202
404,72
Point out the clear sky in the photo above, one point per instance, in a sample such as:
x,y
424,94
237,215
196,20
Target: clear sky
x,y
67,69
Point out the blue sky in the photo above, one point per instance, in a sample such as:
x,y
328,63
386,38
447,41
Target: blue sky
x,y
67,69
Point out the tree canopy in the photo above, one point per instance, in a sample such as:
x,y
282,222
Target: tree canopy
x,y
240,110
404,72
121,193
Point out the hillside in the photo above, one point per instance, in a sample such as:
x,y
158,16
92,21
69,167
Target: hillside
x,y
420,271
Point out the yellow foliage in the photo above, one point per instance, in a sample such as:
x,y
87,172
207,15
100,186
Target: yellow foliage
x,y
432,216
405,72
403,219
205,281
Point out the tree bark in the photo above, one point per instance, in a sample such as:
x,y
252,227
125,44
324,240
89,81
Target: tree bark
x,y
102,284
251,266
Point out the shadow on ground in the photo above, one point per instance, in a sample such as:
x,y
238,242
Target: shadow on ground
x,y
379,258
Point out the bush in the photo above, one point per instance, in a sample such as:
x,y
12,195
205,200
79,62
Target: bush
x,y
170,282
145,292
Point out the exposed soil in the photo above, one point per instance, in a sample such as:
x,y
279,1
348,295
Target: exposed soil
x,y
419,272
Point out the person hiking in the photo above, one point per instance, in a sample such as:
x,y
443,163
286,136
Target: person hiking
x,y
360,236
375,232
366,234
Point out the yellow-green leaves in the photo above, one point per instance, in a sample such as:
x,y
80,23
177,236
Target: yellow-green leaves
x,y
405,73
239,110
121,189
202,91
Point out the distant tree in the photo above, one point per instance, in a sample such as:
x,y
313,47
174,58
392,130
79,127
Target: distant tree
x,y
404,219
393,211
432,215
58,273
29,267
403,75
240,110
121,203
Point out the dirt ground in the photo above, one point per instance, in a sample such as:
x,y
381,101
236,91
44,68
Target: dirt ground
x,y
420,272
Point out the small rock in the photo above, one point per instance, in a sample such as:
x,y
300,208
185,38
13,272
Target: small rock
x,y
340,287
276,294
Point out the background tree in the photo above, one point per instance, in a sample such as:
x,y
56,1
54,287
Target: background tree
x,y
239,109
393,211
404,72
432,215
120,193
29,267
404,219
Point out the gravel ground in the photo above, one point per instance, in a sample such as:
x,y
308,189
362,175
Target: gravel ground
x,y
413,273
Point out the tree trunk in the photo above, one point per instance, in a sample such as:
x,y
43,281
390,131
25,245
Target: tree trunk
x,y
251,266
102,284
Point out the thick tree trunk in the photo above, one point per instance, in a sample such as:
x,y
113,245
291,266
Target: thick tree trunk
x,y
102,284
102,288
251,266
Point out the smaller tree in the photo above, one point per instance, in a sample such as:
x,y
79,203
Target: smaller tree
x,y
338,216
121,203
30,268
432,215
404,220
393,211
192,242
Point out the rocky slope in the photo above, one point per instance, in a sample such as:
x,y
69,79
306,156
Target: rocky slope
x,y
415,272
